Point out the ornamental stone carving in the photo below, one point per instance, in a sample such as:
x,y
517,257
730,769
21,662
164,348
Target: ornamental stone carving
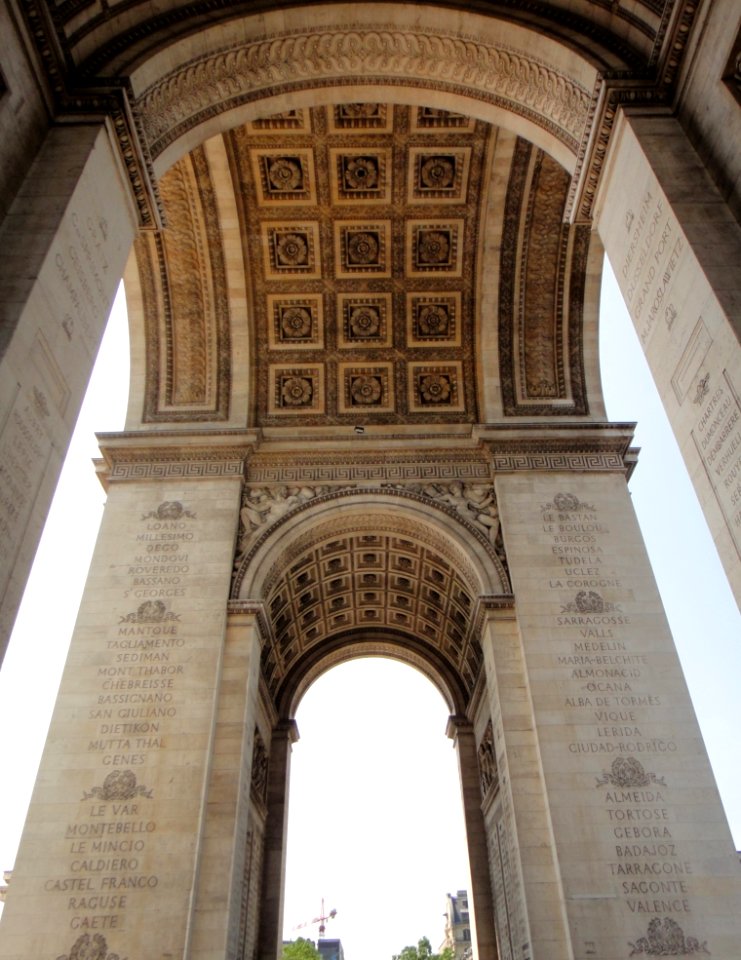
x,y
499,74
259,783
488,772
364,321
88,947
665,938
474,502
438,173
360,173
263,506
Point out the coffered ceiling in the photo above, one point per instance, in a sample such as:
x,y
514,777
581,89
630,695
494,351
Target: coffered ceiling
x,y
361,235
369,235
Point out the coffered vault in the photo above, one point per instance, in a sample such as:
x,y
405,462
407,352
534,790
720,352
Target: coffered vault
x,y
371,238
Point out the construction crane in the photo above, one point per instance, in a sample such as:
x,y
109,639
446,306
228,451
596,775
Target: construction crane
x,y
321,920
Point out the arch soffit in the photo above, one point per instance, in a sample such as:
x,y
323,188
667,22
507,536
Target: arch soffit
x,y
401,511
495,70
379,574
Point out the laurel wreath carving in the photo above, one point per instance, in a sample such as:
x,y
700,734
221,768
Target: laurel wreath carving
x,y
230,75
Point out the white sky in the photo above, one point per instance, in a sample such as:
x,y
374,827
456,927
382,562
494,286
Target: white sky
x,y
375,822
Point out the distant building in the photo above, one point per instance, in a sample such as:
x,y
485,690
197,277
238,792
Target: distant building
x,y
328,949
331,949
457,925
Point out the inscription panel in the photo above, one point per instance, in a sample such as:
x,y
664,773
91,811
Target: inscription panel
x,y
717,438
628,789
662,262
126,762
67,283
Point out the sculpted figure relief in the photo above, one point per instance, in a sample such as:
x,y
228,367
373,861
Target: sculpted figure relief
x,y
263,506
474,502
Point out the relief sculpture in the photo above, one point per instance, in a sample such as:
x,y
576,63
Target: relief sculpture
x,y
90,948
488,772
264,506
665,938
473,502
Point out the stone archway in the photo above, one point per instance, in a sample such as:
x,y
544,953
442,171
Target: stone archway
x,y
556,86
392,572
585,636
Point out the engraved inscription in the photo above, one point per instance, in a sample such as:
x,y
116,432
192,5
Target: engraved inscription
x,y
717,437
614,712
137,683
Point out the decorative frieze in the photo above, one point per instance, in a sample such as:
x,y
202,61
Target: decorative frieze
x,y
135,457
499,74
364,467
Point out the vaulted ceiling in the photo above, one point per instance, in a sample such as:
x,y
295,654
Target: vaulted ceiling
x,y
377,260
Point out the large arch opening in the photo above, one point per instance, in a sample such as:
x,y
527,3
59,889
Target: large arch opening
x,y
375,819
383,571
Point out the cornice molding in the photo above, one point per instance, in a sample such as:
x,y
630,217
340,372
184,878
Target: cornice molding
x,y
588,447
381,466
656,88
137,457
98,100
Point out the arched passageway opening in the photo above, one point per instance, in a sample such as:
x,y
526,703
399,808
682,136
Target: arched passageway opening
x,y
375,820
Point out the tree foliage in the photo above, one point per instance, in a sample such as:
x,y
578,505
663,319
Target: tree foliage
x,y
300,949
423,951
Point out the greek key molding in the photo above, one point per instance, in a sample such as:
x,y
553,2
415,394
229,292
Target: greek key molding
x,y
190,469
583,461
378,467
609,455
382,54
124,464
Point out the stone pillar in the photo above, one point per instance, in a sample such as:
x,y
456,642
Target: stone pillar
x,y
271,912
460,730
63,247
121,825
675,247
627,836
526,891
228,880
